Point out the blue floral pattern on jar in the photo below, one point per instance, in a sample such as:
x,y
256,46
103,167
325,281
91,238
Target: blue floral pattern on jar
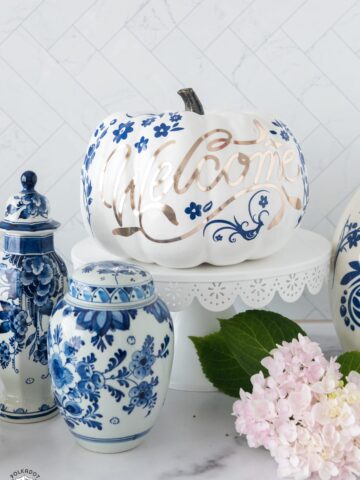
x,y
26,206
39,281
79,385
350,300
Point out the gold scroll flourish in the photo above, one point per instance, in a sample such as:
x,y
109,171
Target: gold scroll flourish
x,y
295,202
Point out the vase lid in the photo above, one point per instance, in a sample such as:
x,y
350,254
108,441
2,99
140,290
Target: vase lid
x,y
112,283
28,211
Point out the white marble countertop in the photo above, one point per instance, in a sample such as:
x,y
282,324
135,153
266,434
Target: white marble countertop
x,y
193,439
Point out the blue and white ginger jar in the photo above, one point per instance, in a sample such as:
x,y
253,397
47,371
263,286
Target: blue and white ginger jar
x,y
345,283
32,279
110,355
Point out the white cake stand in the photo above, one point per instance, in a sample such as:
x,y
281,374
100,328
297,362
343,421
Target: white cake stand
x,y
197,297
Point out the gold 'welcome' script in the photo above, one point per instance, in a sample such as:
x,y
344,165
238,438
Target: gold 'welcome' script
x,y
267,169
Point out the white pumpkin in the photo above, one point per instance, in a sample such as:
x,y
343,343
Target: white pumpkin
x,y
184,188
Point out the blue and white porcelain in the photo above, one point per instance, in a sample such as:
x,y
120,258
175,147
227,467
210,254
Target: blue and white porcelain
x,y
32,278
345,283
110,355
182,188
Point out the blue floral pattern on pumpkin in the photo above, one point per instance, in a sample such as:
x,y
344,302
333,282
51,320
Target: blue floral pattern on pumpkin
x,y
161,130
175,117
141,144
263,202
148,121
79,385
122,132
286,134
193,210
241,228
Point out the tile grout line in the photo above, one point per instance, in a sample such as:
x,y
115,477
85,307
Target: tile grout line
x,y
115,68
295,96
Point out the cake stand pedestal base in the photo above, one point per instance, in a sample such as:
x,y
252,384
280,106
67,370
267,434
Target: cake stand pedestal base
x,y
196,321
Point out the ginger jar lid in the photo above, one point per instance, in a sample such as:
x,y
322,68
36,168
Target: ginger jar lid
x,y
111,283
28,210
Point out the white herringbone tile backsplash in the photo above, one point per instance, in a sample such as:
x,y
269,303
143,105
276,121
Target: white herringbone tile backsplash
x,y
66,64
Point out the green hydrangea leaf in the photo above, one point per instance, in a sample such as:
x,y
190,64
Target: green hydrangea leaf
x,y
231,356
251,335
219,365
349,362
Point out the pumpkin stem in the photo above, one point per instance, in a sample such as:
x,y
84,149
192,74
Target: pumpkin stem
x,y
191,100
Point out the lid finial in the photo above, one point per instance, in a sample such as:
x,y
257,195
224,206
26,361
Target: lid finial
x,y
28,181
28,210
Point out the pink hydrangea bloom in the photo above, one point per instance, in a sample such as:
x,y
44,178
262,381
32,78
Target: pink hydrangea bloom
x,y
303,414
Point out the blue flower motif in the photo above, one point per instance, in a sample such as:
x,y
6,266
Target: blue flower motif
x,y
4,354
218,237
79,386
141,395
19,323
44,407
175,117
89,157
101,322
122,131
60,375
28,205
193,210
40,354
284,135
141,144
72,346
160,311
142,361
72,408
263,201
14,319
90,381
84,370
39,282
353,238
103,133
161,130
148,121
131,340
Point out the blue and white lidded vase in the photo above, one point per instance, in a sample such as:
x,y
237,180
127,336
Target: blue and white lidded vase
x,y
345,283
110,355
32,279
